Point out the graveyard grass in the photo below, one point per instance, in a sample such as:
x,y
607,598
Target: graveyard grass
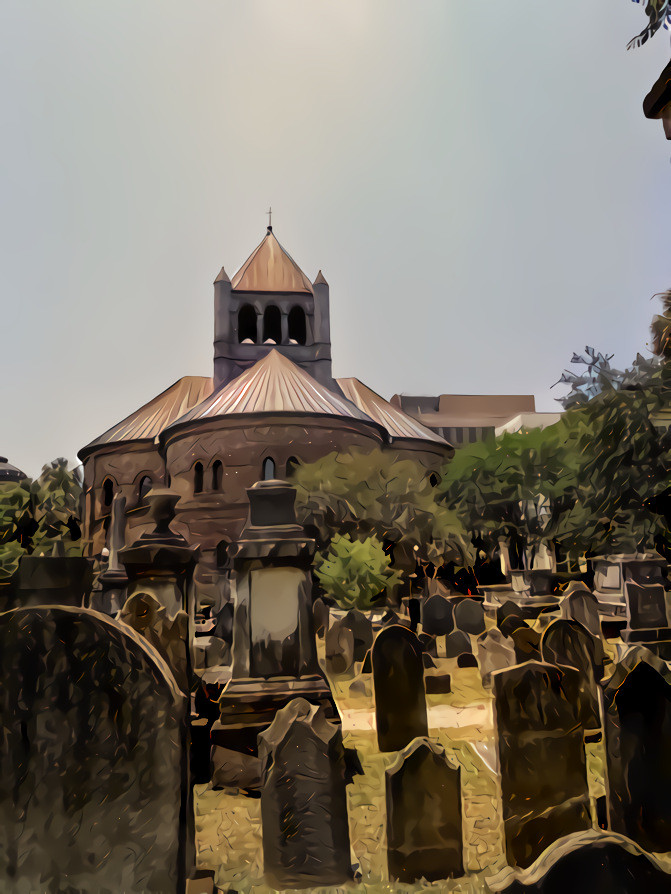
x,y
228,825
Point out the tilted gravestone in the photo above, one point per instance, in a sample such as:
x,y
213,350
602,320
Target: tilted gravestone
x,y
93,760
507,610
457,643
362,631
495,652
437,615
304,799
592,862
542,758
580,604
469,616
423,814
527,643
569,644
339,649
637,714
429,645
398,680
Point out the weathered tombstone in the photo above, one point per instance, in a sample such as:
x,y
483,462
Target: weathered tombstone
x,y
508,609
527,643
304,800
362,631
542,758
423,814
94,759
429,645
145,614
637,714
647,617
592,862
414,613
223,628
467,659
398,680
495,652
457,643
469,616
437,615
510,623
339,649
438,684
427,660
580,604
569,644
320,614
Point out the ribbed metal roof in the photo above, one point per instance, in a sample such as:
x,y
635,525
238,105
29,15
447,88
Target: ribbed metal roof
x,y
147,422
273,385
270,268
397,423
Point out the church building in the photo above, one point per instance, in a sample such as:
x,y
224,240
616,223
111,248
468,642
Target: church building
x,y
271,402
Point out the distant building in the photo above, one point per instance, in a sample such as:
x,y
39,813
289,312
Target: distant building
x,y
467,418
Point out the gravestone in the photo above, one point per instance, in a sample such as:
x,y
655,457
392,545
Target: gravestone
x,y
320,614
542,758
438,684
223,627
592,862
362,631
507,610
637,714
469,616
427,660
437,615
423,794
304,800
339,649
93,763
580,604
569,644
647,617
414,613
429,645
467,659
398,681
145,614
457,643
495,652
527,643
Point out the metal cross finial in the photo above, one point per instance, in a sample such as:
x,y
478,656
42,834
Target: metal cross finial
x,y
269,212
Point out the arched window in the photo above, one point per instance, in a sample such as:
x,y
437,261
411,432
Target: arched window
x,y
297,328
217,475
198,478
268,468
292,463
222,552
247,323
146,485
108,492
272,325
434,480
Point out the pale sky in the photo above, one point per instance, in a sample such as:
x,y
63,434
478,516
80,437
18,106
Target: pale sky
x,y
478,184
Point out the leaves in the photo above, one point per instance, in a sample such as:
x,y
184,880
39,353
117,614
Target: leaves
x,y
356,572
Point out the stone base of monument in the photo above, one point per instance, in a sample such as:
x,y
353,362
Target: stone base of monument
x,y
247,707
657,639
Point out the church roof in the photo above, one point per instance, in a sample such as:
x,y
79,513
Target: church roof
x,y
397,423
147,422
270,268
273,385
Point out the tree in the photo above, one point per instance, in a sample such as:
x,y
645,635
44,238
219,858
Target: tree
x,y
659,15
356,572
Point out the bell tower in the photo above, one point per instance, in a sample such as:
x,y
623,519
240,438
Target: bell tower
x,y
270,303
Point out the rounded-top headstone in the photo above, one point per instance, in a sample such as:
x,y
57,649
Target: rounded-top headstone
x,y
469,616
398,679
457,643
437,615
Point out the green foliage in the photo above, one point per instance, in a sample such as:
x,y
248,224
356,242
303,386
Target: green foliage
x,y
378,494
355,572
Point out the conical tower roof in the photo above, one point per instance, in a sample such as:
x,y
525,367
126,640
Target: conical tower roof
x,y
273,385
270,268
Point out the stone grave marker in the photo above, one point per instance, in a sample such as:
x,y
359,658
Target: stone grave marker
x,y
304,800
457,643
339,646
437,615
398,681
94,760
508,609
362,631
647,617
469,616
423,794
569,644
637,714
542,758
320,614
527,643
580,604
495,652
429,645
467,659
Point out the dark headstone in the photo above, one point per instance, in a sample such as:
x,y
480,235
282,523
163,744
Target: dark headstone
x,y
569,644
398,679
304,800
542,758
223,628
527,644
592,862
580,604
427,660
438,684
362,631
507,610
495,652
94,757
646,605
423,814
469,616
637,714
467,659
457,643
437,618
320,614
367,665
428,644
415,613
339,649
511,623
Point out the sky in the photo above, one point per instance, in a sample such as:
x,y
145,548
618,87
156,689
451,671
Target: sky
x,y
478,185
